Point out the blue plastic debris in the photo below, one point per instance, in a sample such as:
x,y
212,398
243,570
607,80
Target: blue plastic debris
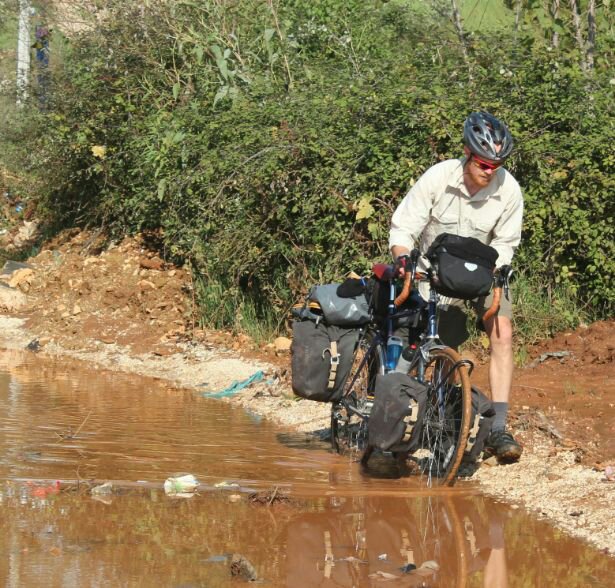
x,y
236,386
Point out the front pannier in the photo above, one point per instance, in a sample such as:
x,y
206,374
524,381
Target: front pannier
x,y
483,415
397,415
464,266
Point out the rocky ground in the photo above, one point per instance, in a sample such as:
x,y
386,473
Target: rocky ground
x,y
121,306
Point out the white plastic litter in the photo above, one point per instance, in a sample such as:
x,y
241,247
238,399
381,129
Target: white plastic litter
x,y
185,485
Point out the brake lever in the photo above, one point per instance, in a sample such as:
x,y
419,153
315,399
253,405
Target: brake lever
x,y
505,274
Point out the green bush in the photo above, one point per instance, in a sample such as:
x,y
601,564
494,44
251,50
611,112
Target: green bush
x,y
272,145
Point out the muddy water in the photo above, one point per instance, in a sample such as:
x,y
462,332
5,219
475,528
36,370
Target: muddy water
x,y
63,422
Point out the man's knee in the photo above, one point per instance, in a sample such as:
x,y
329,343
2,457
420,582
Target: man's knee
x,y
500,332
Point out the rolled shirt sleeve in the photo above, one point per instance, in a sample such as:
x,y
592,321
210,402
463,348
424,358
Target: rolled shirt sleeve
x,y
506,234
413,213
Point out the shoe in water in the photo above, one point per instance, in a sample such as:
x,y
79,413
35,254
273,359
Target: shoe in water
x,y
503,446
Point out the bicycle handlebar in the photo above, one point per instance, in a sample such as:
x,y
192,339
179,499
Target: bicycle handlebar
x,y
502,280
495,305
405,291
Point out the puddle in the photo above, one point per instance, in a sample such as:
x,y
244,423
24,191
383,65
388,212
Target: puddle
x,y
61,421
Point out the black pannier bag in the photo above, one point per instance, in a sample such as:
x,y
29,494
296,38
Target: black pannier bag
x,y
483,415
396,418
321,359
325,339
464,266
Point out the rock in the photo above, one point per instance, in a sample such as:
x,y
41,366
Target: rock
x,y
21,279
10,267
144,284
155,263
34,345
282,345
241,567
11,299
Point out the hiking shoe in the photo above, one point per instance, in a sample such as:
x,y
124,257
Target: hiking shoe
x,y
503,446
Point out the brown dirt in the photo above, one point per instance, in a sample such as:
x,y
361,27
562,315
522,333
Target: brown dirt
x,y
567,391
121,305
85,292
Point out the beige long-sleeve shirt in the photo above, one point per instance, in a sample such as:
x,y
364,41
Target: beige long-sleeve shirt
x,y
439,202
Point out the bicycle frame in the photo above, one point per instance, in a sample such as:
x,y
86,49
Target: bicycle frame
x,y
430,341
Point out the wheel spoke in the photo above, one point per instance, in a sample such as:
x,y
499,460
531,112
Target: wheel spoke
x,y
444,428
349,416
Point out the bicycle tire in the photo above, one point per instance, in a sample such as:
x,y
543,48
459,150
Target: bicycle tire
x,y
446,422
349,430
440,534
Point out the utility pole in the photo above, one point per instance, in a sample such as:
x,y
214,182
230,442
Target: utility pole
x,y
23,51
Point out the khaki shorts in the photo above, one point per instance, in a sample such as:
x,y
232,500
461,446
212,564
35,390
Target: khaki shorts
x,y
453,317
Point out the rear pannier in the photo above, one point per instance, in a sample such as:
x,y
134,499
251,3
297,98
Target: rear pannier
x,y
397,415
321,359
325,336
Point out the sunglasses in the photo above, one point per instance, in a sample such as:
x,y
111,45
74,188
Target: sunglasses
x,y
485,165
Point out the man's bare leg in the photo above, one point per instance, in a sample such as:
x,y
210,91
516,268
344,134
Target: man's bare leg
x,y
500,443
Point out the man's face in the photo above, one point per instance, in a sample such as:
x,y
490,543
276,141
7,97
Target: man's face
x,y
481,171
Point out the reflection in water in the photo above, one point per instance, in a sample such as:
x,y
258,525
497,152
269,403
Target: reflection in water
x,y
341,530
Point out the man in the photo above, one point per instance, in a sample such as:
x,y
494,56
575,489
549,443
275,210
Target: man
x,y
471,197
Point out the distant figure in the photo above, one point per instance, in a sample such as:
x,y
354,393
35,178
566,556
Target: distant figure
x,y
41,45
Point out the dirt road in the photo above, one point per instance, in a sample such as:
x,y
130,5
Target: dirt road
x,y
122,307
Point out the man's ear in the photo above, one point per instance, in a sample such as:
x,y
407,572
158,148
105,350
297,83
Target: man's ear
x,y
467,151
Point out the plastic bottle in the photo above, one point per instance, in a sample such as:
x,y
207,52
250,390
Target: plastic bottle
x,y
394,348
403,364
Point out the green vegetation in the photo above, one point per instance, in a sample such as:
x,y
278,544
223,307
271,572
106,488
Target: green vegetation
x,y
270,142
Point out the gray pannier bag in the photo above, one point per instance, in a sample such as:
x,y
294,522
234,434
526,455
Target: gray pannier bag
x,y
397,415
342,312
324,342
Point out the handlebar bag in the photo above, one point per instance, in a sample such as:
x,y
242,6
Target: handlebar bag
x,y
463,266
321,359
396,418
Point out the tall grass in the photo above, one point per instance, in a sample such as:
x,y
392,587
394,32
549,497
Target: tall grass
x,y
541,311
220,306
538,313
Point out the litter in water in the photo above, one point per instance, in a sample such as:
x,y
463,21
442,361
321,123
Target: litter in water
x,y
184,486
236,386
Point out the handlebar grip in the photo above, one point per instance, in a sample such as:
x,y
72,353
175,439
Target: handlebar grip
x,y
405,292
495,305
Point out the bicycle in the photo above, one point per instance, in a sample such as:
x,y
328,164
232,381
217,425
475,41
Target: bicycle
x,y
446,422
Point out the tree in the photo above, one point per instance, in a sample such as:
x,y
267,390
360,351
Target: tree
x,y
23,51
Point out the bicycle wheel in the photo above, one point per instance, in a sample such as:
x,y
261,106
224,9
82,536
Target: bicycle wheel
x,y
447,417
349,415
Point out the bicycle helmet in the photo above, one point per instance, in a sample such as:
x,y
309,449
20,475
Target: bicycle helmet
x,y
482,132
